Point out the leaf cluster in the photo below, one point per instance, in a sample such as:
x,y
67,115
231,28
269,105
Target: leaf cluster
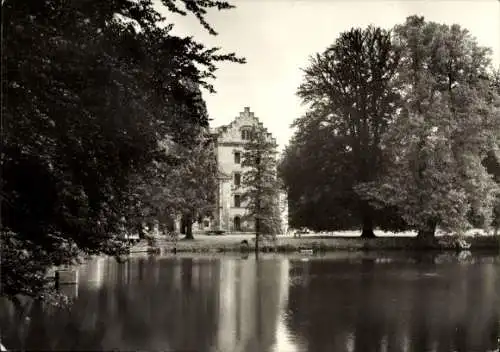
x,y
92,92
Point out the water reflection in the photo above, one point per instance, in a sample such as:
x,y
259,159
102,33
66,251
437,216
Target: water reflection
x,y
273,304
364,306
253,297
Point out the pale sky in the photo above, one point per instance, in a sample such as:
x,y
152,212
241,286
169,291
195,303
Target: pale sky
x,y
277,37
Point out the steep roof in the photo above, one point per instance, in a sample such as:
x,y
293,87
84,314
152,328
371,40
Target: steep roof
x,y
245,118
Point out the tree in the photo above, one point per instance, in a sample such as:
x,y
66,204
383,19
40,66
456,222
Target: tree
x,y
352,101
188,189
89,97
260,183
317,181
448,122
492,165
317,178
492,160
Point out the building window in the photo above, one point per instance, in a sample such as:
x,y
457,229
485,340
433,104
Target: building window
x,y
237,223
237,157
237,179
245,135
237,201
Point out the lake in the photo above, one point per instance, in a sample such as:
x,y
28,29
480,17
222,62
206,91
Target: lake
x,y
341,302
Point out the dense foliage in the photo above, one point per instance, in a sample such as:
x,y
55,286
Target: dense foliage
x,y
185,187
448,122
402,131
351,102
92,90
260,183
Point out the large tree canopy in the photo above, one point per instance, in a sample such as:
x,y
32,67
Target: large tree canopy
x,y
315,175
448,122
403,129
184,186
352,101
91,89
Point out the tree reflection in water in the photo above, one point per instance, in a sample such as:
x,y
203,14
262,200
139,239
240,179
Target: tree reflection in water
x,y
271,304
407,305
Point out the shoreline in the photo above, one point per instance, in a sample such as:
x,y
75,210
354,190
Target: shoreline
x,y
318,244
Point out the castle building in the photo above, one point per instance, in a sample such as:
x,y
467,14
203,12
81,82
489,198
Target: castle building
x,y
230,212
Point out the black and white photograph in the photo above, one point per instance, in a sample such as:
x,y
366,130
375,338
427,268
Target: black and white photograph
x,y
250,175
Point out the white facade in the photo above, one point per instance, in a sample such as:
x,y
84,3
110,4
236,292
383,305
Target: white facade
x,y
229,215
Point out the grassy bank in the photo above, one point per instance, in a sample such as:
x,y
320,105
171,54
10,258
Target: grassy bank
x,y
223,244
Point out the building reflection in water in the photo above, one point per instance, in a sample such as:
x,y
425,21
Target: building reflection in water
x,y
270,305
284,338
252,296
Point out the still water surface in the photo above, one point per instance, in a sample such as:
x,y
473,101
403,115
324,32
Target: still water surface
x,y
231,304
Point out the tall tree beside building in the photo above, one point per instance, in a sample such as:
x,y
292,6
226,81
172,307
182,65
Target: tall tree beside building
x,y
449,122
260,183
195,184
351,102
184,184
316,178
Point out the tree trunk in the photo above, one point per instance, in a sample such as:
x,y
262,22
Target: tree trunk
x,y
427,232
182,230
367,224
189,229
367,232
140,230
257,235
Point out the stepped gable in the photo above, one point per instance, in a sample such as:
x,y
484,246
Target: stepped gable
x,y
231,132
